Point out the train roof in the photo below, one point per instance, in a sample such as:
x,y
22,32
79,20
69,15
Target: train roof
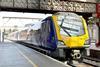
x,y
46,18
68,14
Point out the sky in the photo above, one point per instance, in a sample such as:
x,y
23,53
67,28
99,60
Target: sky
x,y
20,22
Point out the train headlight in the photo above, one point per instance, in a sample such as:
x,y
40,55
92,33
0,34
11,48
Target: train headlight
x,y
61,44
87,43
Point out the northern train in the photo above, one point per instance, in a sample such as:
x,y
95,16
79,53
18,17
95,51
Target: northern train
x,y
64,34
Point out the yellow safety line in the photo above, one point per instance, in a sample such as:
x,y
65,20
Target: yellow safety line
x,y
30,61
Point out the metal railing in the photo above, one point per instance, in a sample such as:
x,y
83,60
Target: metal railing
x,y
50,5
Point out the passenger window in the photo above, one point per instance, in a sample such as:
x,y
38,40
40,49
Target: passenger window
x,y
48,25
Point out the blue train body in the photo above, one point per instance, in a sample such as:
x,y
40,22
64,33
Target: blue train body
x,y
48,40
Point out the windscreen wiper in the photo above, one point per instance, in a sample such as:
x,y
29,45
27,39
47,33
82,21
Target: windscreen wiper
x,y
70,29
66,31
63,28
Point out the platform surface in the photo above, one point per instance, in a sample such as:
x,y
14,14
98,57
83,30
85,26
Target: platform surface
x,y
16,55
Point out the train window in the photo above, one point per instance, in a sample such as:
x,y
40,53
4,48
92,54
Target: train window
x,y
48,25
71,25
44,26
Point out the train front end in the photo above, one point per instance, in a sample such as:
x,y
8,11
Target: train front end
x,y
71,30
72,35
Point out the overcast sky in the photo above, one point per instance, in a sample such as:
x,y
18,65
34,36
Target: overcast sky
x,y
19,22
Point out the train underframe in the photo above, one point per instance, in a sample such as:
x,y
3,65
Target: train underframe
x,y
69,54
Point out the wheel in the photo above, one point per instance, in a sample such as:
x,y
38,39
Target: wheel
x,y
83,53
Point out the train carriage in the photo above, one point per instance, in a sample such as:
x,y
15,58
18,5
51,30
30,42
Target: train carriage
x,y
63,34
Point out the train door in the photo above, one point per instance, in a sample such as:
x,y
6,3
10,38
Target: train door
x,y
52,35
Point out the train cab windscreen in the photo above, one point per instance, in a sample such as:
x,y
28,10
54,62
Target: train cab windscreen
x,y
70,24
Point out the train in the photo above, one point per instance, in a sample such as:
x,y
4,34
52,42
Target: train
x,y
64,35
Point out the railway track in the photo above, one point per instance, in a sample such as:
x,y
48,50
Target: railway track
x,y
92,61
87,62
78,64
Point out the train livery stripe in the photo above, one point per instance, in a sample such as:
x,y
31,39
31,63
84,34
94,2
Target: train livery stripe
x,y
85,28
56,27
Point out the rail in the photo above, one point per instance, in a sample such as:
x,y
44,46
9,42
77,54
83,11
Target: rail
x,y
92,61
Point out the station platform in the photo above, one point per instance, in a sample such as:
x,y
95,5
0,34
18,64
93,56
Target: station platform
x,y
16,55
